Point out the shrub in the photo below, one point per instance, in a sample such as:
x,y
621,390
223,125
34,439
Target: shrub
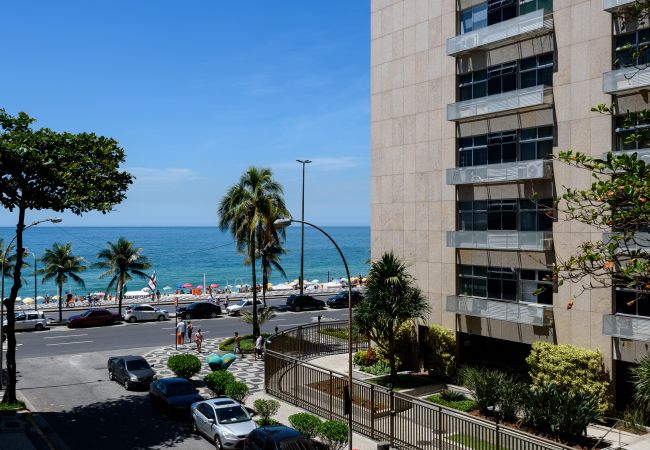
x,y
634,419
218,381
440,345
407,344
452,396
454,400
237,391
641,381
511,395
365,357
184,366
306,424
334,434
378,368
482,383
570,369
266,409
247,343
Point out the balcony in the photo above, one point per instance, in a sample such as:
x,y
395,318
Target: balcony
x,y
636,328
535,97
534,169
615,5
640,240
526,313
626,80
536,241
507,32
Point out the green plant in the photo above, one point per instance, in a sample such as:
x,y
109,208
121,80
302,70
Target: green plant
x,y
12,406
266,409
452,396
641,381
341,333
482,383
247,343
263,316
440,345
571,369
378,368
218,381
184,366
334,434
365,357
634,419
461,403
305,423
237,391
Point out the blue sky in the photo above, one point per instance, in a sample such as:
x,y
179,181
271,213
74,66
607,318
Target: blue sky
x,y
196,92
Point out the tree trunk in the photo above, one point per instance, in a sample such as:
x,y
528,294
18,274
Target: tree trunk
x,y
265,281
119,297
391,359
256,326
10,392
60,302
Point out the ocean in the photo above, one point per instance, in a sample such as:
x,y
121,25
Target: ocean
x,y
183,254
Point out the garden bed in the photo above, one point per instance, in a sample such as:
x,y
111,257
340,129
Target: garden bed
x,y
247,343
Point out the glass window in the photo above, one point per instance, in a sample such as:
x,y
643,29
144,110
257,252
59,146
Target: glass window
x,y
473,18
505,283
632,133
632,49
505,214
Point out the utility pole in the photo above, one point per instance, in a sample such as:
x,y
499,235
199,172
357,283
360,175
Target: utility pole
x,y
302,229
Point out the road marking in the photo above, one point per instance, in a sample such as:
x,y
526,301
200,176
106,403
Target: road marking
x,y
68,343
66,336
172,328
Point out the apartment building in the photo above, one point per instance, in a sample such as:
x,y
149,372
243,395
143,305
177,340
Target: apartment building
x,y
469,100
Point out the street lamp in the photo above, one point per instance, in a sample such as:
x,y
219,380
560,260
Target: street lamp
x,y
302,229
283,223
2,290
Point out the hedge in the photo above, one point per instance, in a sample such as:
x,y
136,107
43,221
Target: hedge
x,y
184,366
441,352
218,381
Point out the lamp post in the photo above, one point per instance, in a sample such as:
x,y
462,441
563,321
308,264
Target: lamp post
x,y
2,290
283,223
302,229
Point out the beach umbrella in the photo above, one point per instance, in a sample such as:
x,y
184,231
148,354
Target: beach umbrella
x,y
315,281
55,297
97,294
40,297
186,285
28,300
167,288
200,286
179,286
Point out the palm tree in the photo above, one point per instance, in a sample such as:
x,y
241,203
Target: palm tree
x,y
270,258
248,210
9,260
391,300
122,261
61,265
263,316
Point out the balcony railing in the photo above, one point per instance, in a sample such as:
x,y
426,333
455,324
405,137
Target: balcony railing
x,y
538,241
626,80
527,313
640,240
614,5
642,154
636,328
501,173
509,31
535,97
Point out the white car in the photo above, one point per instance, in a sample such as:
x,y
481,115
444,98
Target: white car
x,y
223,421
135,313
243,305
29,320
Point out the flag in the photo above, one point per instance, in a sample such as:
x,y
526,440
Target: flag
x,y
152,281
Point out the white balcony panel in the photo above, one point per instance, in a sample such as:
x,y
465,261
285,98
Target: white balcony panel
x,y
614,5
626,80
538,241
527,313
636,328
640,240
501,173
642,154
502,33
535,97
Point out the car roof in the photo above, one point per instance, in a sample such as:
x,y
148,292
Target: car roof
x,y
174,380
279,432
133,305
29,311
222,402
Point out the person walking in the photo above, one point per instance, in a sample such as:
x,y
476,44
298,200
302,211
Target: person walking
x,y
237,346
180,331
198,340
189,328
259,347
158,295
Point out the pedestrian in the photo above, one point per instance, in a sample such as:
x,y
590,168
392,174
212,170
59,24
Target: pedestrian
x,y
227,301
180,331
158,295
190,328
259,347
237,346
198,340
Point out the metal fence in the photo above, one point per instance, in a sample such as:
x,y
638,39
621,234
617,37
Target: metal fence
x,y
382,414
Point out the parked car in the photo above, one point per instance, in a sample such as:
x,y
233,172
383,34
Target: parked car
x,y
199,310
223,421
173,395
131,371
28,320
94,317
277,437
303,302
243,305
135,313
340,300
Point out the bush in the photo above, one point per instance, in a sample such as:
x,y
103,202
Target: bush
x,y
482,383
570,369
305,423
378,368
454,400
634,419
452,396
511,395
247,343
365,357
184,366
334,434
407,348
266,409
218,381
237,391
440,345
641,381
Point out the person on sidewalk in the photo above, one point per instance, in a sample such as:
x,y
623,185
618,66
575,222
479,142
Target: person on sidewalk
x,y
198,340
190,329
237,346
180,330
259,347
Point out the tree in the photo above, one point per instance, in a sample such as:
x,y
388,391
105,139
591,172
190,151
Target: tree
x,y
10,259
47,170
391,300
60,265
263,316
249,210
270,254
121,262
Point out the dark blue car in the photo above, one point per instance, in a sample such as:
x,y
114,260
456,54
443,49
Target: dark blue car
x,y
278,437
173,395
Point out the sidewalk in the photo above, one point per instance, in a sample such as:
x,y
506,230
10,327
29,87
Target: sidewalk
x,y
18,431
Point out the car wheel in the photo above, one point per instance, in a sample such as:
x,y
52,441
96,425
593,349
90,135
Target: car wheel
x,y
195,429
298,309
111,376
213,315
187,316
132,319
39,327
161,318
127,385
217,443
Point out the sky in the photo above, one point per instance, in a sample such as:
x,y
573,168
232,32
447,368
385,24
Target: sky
x,y
196,92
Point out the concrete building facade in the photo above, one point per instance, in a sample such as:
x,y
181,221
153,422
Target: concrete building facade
x,y
469,99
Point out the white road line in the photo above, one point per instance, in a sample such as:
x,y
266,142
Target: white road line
x,y
172,328
66,336
67,343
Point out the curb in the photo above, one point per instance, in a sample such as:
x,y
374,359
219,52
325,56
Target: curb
x,y
53,441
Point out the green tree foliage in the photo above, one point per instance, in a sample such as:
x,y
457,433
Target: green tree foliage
x,y
121,261
60,266
334,434
641,380
10,259
305,423
391,300
184,366
571,369
263,316
41,169
218,381
237,391
440,345
266,409
249,210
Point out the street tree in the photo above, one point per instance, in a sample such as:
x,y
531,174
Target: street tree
x,y
121,262
392,299
41,169
60,266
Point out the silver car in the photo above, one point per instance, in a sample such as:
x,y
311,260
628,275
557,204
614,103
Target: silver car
x,y
28,320
223,421
143,312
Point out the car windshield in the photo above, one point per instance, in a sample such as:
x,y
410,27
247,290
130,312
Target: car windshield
x,y
137,364
180,389
232,415
241,303
86,313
